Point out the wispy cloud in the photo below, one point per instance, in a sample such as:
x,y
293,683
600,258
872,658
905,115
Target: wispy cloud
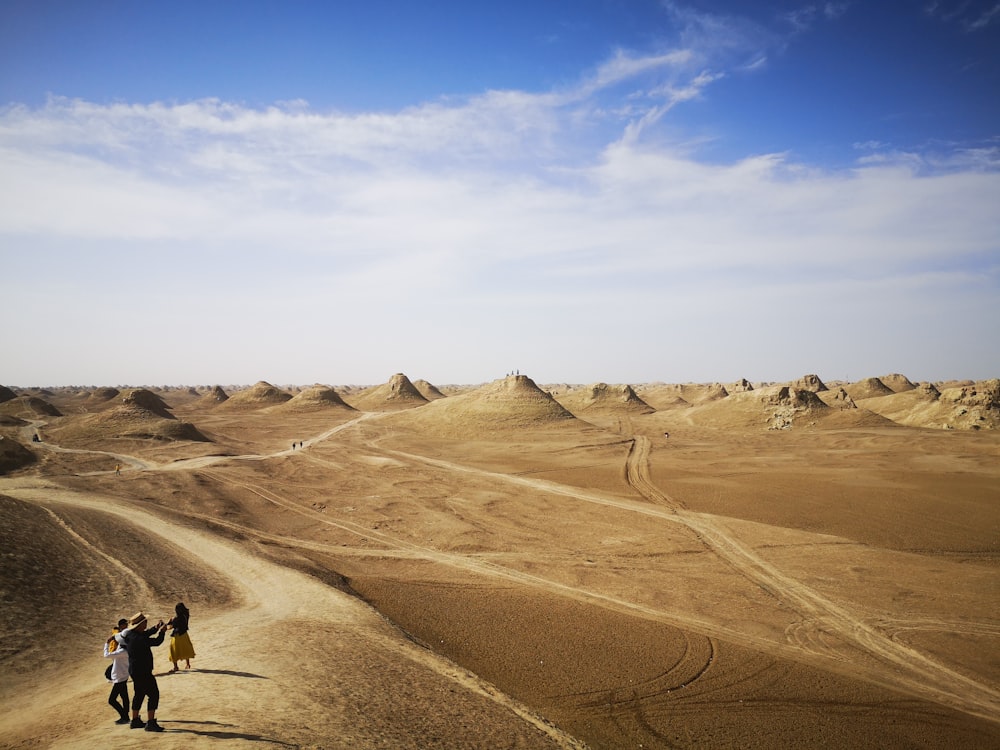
x,y
802,19
970,15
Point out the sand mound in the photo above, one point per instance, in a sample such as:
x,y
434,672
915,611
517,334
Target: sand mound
x,y
837,398
703,392
662,397
103,395
13,455
29,407
398,393
868,388
775,407
427,390
141,415
512,403
141,399
316,398
809,383
740,386
985,393
260,395
929,391
213,398
604,397
897,383
6,394
971,407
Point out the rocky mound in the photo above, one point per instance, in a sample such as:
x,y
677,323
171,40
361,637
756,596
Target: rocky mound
x,y
6,394
604,397
29,407
897,383
774,407
427,390
141,399
985,394
968,407
740,386
928,390
809,383
398,393
837,398
262,394
13,455
868,388
315,398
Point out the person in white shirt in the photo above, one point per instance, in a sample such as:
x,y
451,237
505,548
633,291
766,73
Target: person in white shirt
x,y
117,673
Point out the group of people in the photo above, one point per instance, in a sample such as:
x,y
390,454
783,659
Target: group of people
x,y
130,648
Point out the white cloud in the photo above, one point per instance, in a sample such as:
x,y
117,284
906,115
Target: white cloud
x,y
499,221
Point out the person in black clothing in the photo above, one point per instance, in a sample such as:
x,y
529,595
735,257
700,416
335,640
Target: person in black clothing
x,y
138,642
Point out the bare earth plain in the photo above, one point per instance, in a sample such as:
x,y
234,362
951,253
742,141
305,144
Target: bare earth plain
x,y
507,566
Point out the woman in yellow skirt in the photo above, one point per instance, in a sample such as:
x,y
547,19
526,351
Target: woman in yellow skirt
x,y
180,642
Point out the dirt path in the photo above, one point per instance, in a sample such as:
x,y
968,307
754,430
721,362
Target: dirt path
x,y
240,686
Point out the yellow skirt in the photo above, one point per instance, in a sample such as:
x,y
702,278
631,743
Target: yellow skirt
x,y
181,648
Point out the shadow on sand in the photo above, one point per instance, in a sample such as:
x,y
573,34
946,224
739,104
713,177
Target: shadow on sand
x,y
221,733
229,672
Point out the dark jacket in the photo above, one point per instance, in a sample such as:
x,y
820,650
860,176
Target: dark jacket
x,y
140,653
179,624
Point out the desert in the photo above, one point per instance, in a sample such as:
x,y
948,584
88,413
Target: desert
x,y
509,564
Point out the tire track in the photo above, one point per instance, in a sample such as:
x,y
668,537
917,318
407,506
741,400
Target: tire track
x,y
917,671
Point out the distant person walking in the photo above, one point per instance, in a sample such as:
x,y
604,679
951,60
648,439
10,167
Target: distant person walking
x,y
118,470
117,673
180,642
138,642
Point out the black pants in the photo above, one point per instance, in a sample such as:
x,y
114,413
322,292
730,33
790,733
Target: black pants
x,y
145,687
119,691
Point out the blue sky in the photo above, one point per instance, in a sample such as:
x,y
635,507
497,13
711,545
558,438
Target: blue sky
x,y
592,190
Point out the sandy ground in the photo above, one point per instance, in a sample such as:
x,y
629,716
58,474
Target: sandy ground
x,y
413,579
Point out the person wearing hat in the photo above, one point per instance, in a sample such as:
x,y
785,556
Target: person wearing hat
x,y
117,673
138,642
